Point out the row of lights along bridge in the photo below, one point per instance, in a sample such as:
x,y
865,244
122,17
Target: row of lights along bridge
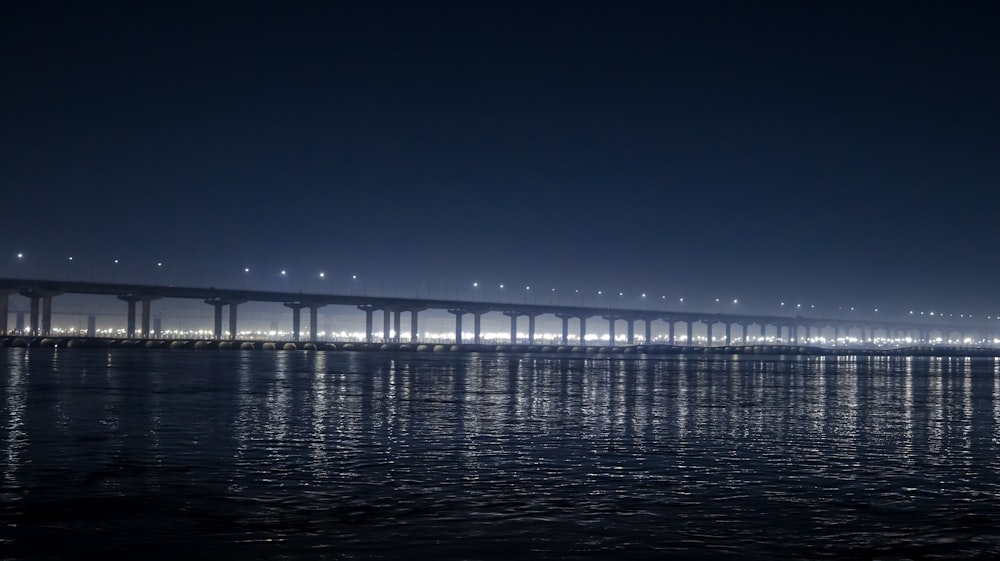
x,y
154,272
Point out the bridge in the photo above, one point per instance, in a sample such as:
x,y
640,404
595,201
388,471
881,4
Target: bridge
x,y
721,328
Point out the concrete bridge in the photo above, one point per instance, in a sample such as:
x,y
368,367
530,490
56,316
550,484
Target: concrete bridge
x,y
721,328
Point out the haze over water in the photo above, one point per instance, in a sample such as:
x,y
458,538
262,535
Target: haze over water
x,y
303,455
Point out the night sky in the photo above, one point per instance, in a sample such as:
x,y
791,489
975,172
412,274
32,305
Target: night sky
x,y
832,154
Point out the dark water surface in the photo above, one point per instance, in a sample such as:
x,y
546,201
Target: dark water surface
x,y
298,455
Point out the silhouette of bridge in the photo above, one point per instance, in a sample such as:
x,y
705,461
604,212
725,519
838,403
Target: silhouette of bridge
x,y
721,328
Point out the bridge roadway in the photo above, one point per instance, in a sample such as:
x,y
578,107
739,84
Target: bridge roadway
x,y
42,292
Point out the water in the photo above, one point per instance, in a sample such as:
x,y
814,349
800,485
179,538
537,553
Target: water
x,y
298,455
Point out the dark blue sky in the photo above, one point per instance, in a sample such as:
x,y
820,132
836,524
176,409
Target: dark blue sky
x,y
836,154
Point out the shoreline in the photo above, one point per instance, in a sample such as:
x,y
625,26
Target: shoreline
x,y
568,350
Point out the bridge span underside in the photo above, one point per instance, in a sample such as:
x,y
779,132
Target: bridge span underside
x,y
35,301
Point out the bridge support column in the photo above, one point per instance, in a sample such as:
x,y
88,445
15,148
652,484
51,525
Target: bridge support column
x,y
414,332
232,319
690,333
565,327
4,310
729,333
611,331
458,323
583,331
146,305
513,326
46,315
297,318
217,325
630,331
130,299
743,339
763,333
396,325
313,322
91,326
33,317
649,332
369,311
130,319
531,329
670,331
708,332
477,322
386,325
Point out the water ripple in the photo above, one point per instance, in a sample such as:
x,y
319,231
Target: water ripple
x,y
370,456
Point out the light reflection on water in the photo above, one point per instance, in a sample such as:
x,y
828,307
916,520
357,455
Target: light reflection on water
x,y
312,455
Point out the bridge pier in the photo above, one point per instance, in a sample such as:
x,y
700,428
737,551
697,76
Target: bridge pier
x,y
33,298
396,322
217,318
4,310
583,330
477,323
649,331
216,303
297,318
458,323
386,325
513,325
313,322
630,331
369,311
414,332
131,300
690,332
565,326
